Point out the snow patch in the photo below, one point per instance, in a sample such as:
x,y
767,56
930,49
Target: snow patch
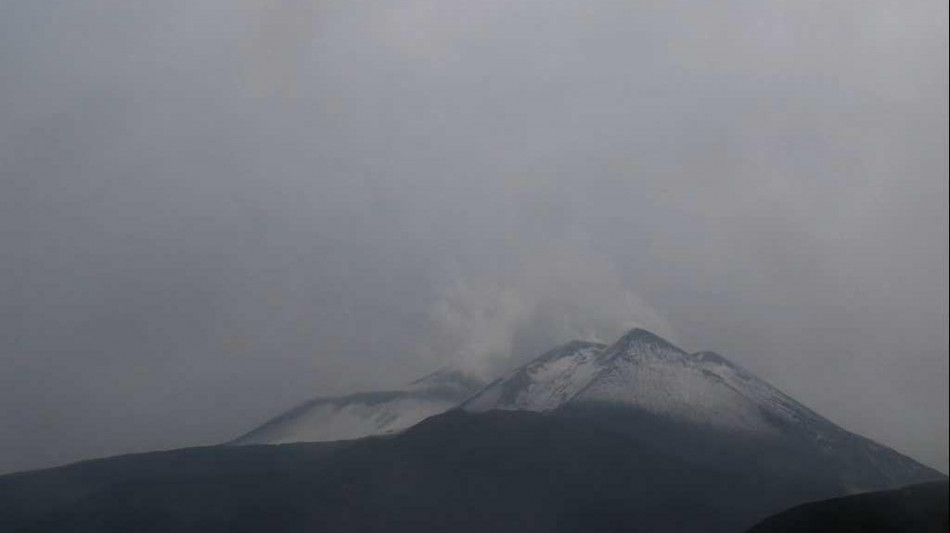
x,y
339,421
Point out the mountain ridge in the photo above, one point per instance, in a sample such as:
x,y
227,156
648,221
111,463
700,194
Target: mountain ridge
x,y
363,414
645,374
638,435
639,376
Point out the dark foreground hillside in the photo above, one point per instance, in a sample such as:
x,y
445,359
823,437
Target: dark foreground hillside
x,y
495,471
916,509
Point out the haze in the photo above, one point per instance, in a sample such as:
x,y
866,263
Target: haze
x,y
211,211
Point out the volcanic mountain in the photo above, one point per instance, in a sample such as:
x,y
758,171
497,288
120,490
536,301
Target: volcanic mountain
x,y
645,372
643,378
640,383
636,436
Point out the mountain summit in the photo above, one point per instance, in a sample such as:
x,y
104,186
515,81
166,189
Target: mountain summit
x,y
637,436
643,379
641,384
644,371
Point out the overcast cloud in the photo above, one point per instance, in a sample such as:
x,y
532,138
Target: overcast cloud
x,y
210,211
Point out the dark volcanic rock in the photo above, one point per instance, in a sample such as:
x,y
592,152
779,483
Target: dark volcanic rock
x,y
919,508
496,471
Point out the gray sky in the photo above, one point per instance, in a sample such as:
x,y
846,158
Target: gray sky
x,y
210,211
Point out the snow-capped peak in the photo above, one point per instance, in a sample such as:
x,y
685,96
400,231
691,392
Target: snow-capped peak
x,y
638,338
645,372
639,374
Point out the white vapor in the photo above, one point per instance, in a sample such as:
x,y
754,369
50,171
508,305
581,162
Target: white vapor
x,y
485,323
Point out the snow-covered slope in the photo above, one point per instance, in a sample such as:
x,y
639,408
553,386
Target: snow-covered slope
x,y
645,371
368,413
641,384
543,384
644,374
